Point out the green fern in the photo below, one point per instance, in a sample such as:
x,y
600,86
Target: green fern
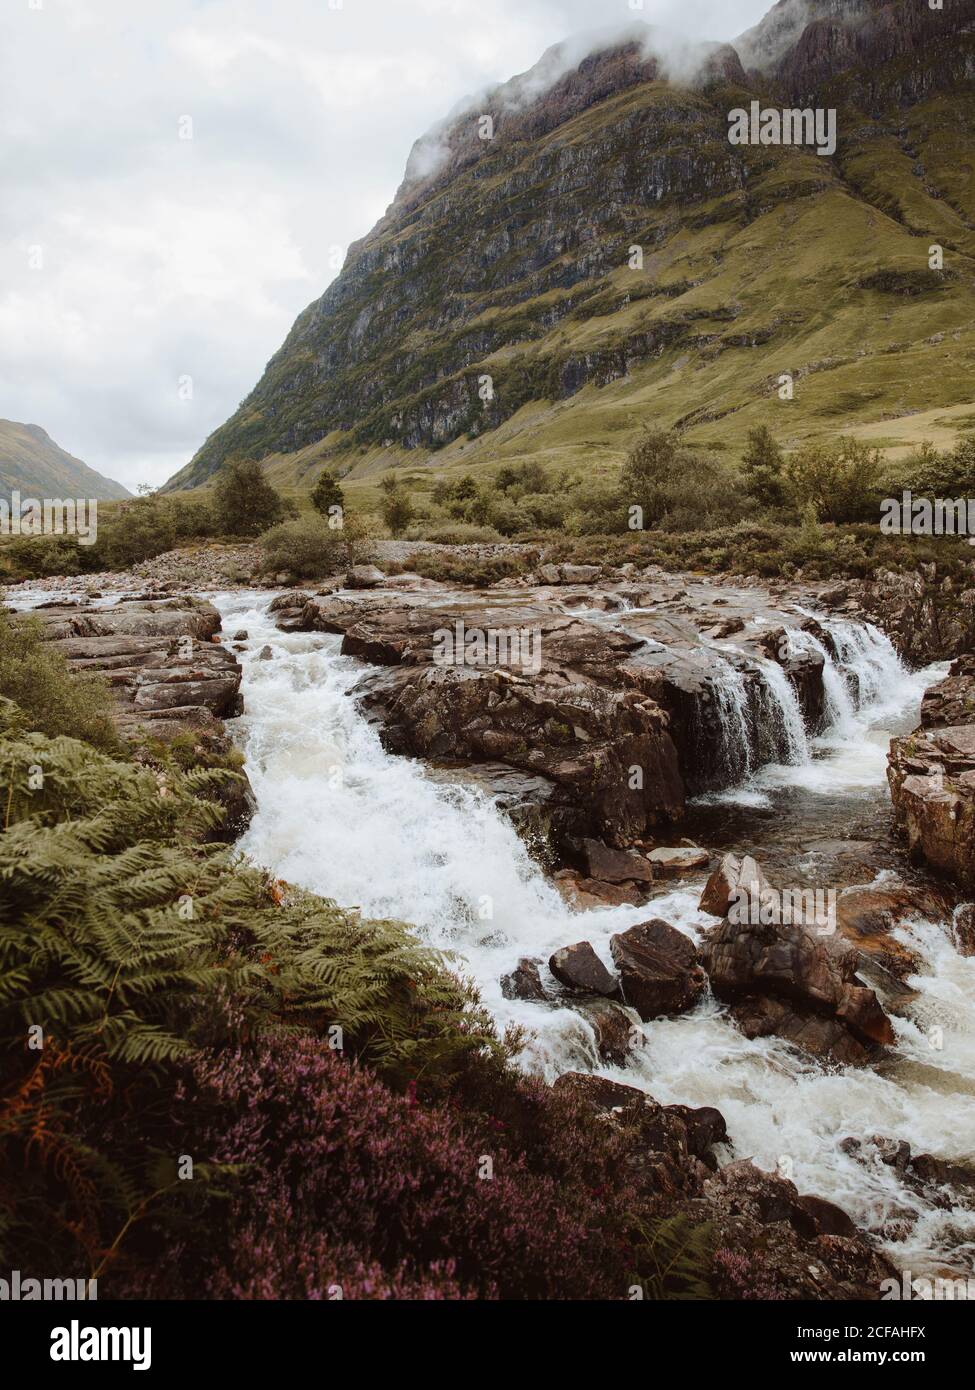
x,y
674,1259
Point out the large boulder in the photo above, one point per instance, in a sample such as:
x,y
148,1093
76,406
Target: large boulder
x,y
659,969
784,979
932,785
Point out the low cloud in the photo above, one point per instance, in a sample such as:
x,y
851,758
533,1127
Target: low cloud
x,y
133,260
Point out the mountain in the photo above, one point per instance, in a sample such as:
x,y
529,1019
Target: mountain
x,y
509,258
31,462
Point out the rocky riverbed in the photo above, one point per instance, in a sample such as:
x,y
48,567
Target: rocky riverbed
x,y
643,736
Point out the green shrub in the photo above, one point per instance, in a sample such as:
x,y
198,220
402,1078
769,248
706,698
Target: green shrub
x,y
840,480
304,549
35,676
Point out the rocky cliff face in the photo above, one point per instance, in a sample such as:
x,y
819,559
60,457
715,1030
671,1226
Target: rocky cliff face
x,y
607,241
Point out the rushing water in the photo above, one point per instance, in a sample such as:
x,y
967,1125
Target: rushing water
x,y
340,816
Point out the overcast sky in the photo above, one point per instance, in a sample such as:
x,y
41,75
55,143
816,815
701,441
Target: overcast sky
x,y
145,278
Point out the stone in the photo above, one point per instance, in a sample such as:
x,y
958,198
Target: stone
x,y
584,893
364,577
732,876
265,654
683,859
613,1028
615,865
659,969
785,979
578,967
524,981
241,635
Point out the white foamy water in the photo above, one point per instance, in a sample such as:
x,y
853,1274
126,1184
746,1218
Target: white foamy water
x,y
341,817
870,695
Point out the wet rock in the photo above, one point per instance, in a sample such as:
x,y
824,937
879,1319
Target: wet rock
x,y
963,929
241,635
923,614
932,778
726,628
615,866
785,979
524,981
867,915
613,1028
265,654
827,1218
578,967
683,859
584,893
826,1038
733,876
659,969
769,1241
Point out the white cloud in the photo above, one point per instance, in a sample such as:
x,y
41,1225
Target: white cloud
x,y
165,258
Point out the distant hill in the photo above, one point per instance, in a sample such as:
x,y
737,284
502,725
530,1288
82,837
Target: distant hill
x,y
495,314
31,462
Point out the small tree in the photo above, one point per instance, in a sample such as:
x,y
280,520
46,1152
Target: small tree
x,y
244,502
326,495
763,463
396,507
840,480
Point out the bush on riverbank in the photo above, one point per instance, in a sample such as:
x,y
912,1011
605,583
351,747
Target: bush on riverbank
x,y
35,676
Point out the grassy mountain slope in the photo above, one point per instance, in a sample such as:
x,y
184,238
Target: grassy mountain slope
x,y
511,260
31,462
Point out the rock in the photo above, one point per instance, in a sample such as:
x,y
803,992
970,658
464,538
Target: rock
x,y
828,1219
550,574
932,778
732,876
584,893
265,654
721,886
291,598
963,929
579,574
767,1016
671,863
659,969
615,865
240,636
364,577
726,628
578,967
867,915
524,981
613,1027
168,675
785,979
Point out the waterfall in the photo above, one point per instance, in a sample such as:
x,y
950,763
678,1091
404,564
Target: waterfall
x,y
341,817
